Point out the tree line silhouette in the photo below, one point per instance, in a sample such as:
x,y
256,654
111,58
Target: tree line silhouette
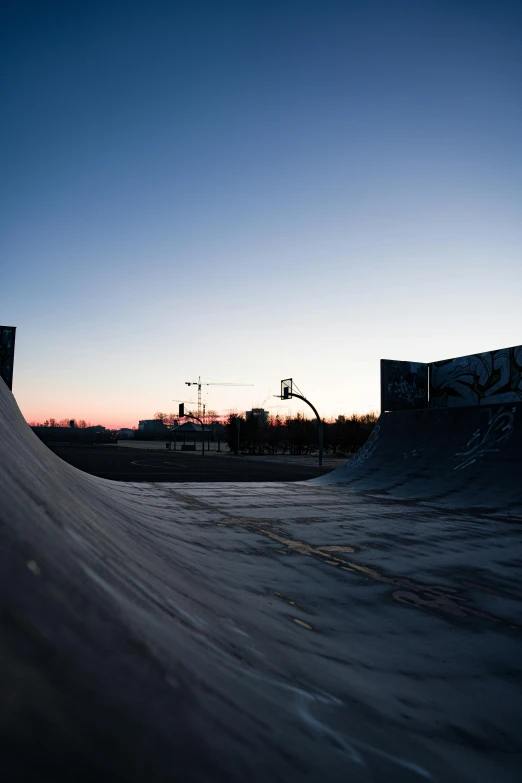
x,y
298,435
80,423
295,435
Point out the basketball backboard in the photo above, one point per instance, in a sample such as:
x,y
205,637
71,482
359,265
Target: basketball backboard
x,y
286,388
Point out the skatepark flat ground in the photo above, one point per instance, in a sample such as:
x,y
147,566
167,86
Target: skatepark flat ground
x,y
363,626
135,464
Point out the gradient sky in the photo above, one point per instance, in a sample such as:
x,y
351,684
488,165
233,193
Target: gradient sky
x,y
249,191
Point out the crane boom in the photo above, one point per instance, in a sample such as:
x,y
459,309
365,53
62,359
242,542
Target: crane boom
x,y
199,384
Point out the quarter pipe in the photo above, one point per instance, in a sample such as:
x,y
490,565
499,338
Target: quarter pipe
x,y
364,626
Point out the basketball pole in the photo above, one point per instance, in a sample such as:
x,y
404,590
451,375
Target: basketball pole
x,y
288,394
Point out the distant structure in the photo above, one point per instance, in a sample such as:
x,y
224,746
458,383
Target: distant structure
x,y
7,347
194,430
154,426
259,414
126,432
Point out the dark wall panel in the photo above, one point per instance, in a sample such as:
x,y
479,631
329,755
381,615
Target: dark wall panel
x,y
404,385
7,346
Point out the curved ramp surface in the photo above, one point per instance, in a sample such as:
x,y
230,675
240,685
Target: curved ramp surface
x,y
250,632
467,457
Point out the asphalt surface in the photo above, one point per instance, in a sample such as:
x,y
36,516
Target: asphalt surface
x,y
124,464
364,630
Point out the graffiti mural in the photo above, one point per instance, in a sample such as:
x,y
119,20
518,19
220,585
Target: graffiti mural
x,y
366,451
7,346
478,379
496,430
404,385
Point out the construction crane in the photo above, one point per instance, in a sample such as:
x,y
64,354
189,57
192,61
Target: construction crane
x,y
199,384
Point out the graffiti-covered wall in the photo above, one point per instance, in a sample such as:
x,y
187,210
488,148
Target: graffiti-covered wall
x,y
7,346
479,379
404,385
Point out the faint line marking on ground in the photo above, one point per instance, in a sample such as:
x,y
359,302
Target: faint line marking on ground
x,y
290,602
443,600
302,623
427,597
305,700
142,464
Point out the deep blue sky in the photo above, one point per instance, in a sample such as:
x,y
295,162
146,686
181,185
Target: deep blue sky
x,y
250,191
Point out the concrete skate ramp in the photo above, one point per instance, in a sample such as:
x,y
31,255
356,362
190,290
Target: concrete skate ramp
x,y
456,457
260,632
